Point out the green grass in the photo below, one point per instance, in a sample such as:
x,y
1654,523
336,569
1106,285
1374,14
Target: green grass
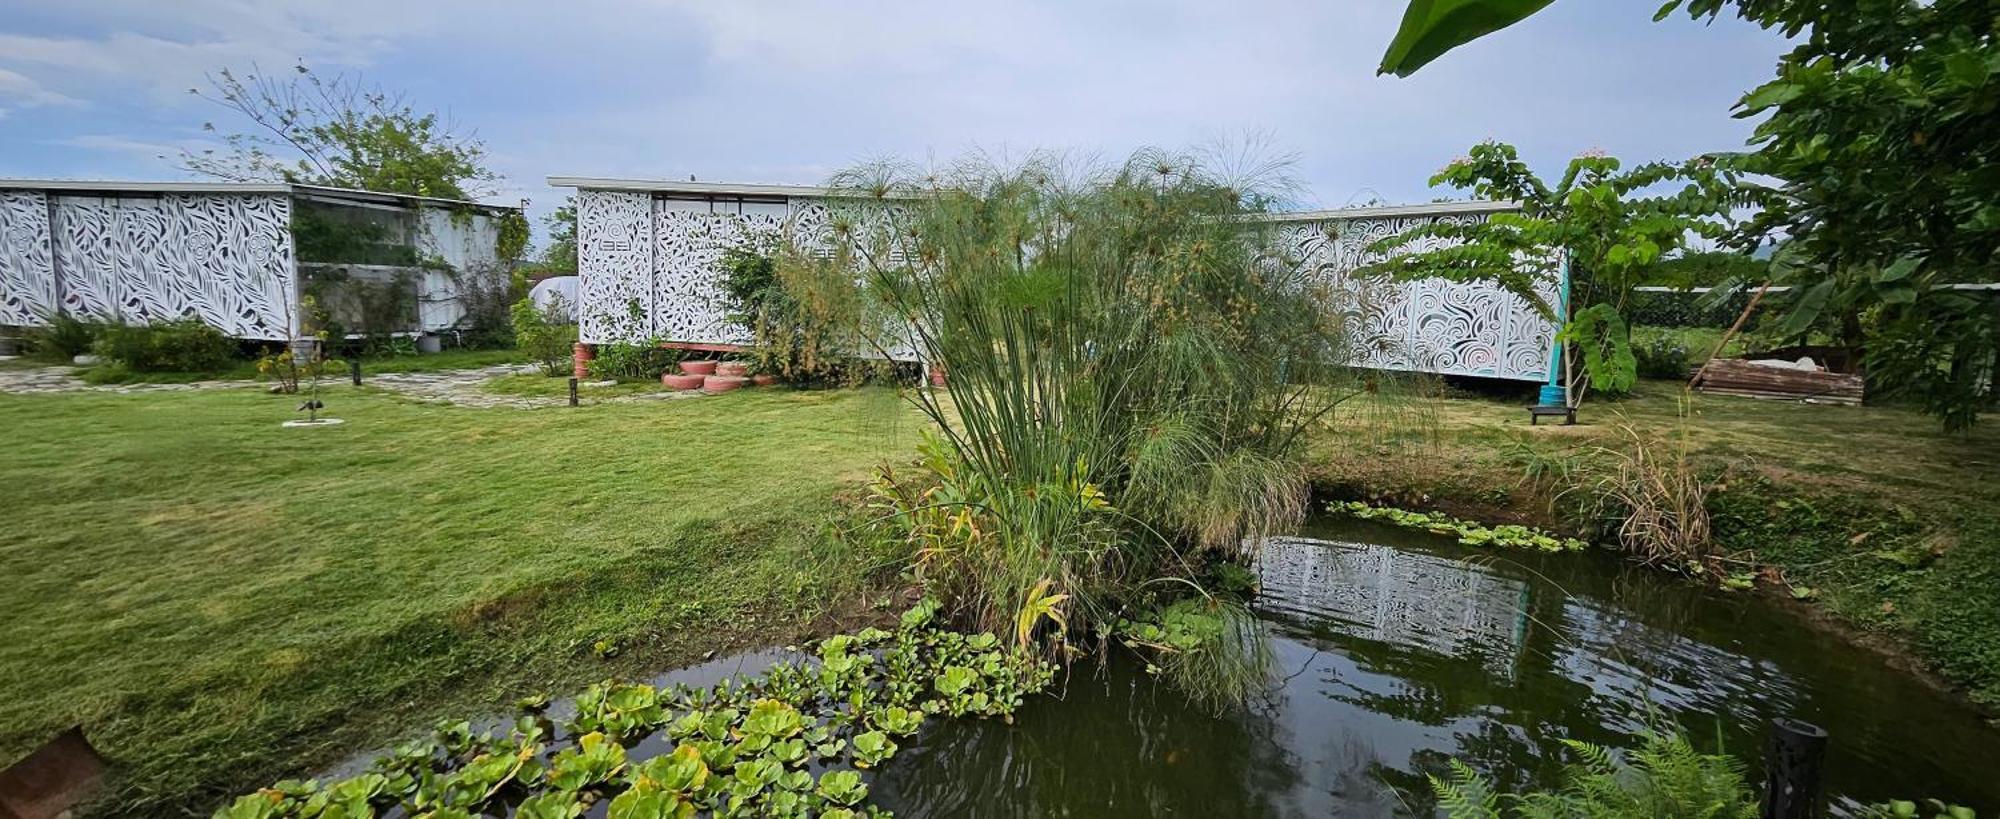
x,y
1893,523
220,602
536,385
111,373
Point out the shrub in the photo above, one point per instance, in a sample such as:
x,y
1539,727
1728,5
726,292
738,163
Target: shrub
x,y
789,339
1662,355
1664,776
625,361
65,338
544,333
183,345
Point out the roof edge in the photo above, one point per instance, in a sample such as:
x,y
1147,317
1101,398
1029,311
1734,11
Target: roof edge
x,y
128,186
690,188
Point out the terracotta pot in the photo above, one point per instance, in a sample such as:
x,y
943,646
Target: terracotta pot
x,y
581,355
763,379
737,368
681,382
698,367
714,384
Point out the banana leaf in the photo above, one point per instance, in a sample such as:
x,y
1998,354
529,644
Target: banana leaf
x,y
1432,27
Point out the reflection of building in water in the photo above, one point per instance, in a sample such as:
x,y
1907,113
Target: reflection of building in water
x,y
1393,596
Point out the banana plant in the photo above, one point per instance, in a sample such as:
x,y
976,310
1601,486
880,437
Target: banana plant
x,y
1432,27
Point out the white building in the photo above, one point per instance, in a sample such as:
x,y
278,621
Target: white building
x,y
648,254
237,255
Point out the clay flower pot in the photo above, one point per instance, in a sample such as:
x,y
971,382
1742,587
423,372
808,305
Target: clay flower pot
x,y
763,379
732,368
674,381
716,384
698,367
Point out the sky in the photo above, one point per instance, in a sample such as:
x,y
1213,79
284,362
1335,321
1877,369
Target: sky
x,y
790,92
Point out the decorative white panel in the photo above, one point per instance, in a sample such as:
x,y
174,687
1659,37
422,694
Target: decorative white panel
x,y
1432,326
223,258
27,275
615,262
689,239
663,255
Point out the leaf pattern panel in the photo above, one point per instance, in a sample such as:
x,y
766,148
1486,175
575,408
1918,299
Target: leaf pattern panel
x,y
27,270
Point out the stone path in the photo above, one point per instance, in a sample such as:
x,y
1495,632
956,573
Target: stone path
x,y
455,387
63,379
462,388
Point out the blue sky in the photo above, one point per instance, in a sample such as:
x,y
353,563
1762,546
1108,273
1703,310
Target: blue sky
x,y
747,91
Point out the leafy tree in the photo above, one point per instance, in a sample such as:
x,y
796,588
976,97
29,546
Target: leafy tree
x,y
1616,226
1883,125
309,129
561,224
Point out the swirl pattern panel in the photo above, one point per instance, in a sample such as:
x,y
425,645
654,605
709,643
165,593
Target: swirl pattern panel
x,y
27,271
223,258
1432,326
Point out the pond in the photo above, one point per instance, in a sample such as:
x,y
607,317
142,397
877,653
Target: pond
x,y
1396,651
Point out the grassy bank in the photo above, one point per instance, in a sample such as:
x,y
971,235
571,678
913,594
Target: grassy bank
x,y
221,602
1892,526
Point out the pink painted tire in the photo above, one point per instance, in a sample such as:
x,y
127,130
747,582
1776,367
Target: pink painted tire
x,y
732,368
716,384
681,382
698,367
763,379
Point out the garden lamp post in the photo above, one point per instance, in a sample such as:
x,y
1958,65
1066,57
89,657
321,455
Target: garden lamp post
x,y
1553,394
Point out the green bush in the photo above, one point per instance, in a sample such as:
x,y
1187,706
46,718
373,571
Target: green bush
x,y
1664,776
545,334
184,345
65,338
625,361
1665,355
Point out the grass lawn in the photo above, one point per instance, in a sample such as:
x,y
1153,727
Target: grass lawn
x,y
247,370
537,385
1894,524
221,602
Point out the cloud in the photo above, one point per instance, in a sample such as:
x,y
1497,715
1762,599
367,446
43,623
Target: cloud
x,y
120,144
27,93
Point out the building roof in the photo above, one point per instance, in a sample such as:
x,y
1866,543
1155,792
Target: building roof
x,y
685,188
101,186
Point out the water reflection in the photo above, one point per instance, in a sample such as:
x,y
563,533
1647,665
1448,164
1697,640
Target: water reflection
x,y
1397,653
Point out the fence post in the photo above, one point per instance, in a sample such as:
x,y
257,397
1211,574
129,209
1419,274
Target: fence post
x,y
572,392
1792,770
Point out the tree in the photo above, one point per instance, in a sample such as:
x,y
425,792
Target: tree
x,y
1615,226
561,224
1883,127
338,132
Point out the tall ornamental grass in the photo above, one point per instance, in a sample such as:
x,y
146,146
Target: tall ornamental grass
x,y
1129,375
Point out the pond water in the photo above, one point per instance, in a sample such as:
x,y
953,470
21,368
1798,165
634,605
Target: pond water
x,y
1396,651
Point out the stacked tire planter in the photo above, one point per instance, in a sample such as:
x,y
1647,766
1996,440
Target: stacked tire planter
x,y
712,377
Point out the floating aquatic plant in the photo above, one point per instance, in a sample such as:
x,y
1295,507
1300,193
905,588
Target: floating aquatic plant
x,y
1468,533
785,743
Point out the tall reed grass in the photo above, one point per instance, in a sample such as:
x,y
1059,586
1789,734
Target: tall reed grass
x,y
1130,370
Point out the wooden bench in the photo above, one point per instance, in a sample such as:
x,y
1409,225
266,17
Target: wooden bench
x,y
1535,413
